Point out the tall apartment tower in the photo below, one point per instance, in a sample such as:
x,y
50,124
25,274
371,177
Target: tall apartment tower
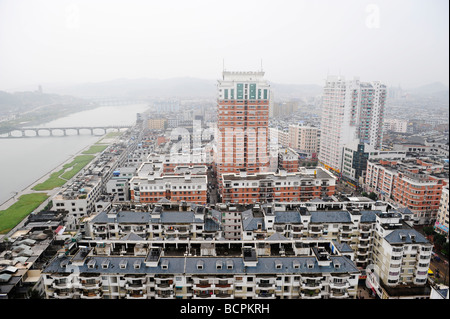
x,y
242,127
350,110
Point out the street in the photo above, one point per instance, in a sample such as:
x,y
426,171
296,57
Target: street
x,y
440,270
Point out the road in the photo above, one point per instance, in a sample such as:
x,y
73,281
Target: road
x,y
440,269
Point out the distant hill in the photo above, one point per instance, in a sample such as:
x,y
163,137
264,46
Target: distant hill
x,y
24,101
181,87
435,88
141,88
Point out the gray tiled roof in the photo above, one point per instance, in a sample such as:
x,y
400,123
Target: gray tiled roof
x,y
123,217
342,247
177,217
369,216
251,223
395,237
337,216
287,217
188,265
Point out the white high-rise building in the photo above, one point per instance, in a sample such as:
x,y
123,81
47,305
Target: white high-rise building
x,y
350,110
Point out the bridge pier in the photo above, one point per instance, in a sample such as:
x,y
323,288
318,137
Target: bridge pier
x,y
37,130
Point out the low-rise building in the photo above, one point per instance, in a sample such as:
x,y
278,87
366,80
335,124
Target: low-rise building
x,y
415,183
281,186
319,271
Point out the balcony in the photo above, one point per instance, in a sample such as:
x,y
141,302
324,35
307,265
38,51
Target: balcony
x,y
134,286
58,284
203,294
346,230
363,245
164,295
266,295
312,285
63,295
90,284
164,285
311,295
223,284
136,296
338,294
315,230
362,252
224,295
91,295
364,230
339,284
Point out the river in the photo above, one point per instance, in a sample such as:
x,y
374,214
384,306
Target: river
x,y
25,160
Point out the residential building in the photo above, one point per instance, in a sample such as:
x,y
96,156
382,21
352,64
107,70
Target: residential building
x,y
281,186
177,188
288,160
350,110
401,259
220,272
305,139
441,224
279,136
396,125
157,123
242,123
415,183
174,222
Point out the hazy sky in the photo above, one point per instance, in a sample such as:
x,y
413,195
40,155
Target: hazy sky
x,y
399,42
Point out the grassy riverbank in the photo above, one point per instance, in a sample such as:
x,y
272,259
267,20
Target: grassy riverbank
x,y
27,203
68,171
13,215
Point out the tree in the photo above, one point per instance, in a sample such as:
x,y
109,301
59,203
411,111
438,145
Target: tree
x,y
444,249
428,230
373,196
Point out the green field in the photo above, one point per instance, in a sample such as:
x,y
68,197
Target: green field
x,y
68,171
94,149
109,135
13,215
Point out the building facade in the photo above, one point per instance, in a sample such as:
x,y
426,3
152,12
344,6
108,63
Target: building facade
x,y
242,123
304,138
350,110
415,183
282,186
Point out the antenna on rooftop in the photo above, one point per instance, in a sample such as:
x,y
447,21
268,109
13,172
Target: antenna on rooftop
x,y
261,66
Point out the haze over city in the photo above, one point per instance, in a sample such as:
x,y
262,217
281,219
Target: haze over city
x,y
56,43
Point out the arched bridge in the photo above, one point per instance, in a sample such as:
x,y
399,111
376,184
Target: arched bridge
x,y
79,129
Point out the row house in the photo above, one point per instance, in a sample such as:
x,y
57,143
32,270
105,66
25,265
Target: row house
x,y
304,185
79,197
355,229
197,223
176,188
322,273
413,183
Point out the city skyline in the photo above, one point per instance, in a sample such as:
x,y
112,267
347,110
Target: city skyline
x,y
297,42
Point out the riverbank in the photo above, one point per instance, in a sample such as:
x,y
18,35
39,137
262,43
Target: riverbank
x,y
37,195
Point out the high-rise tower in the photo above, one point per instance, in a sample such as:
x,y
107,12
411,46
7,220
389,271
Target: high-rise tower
x,y
242,123
350,110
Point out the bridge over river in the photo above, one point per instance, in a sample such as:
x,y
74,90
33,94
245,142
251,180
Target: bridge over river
x,y
22,131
